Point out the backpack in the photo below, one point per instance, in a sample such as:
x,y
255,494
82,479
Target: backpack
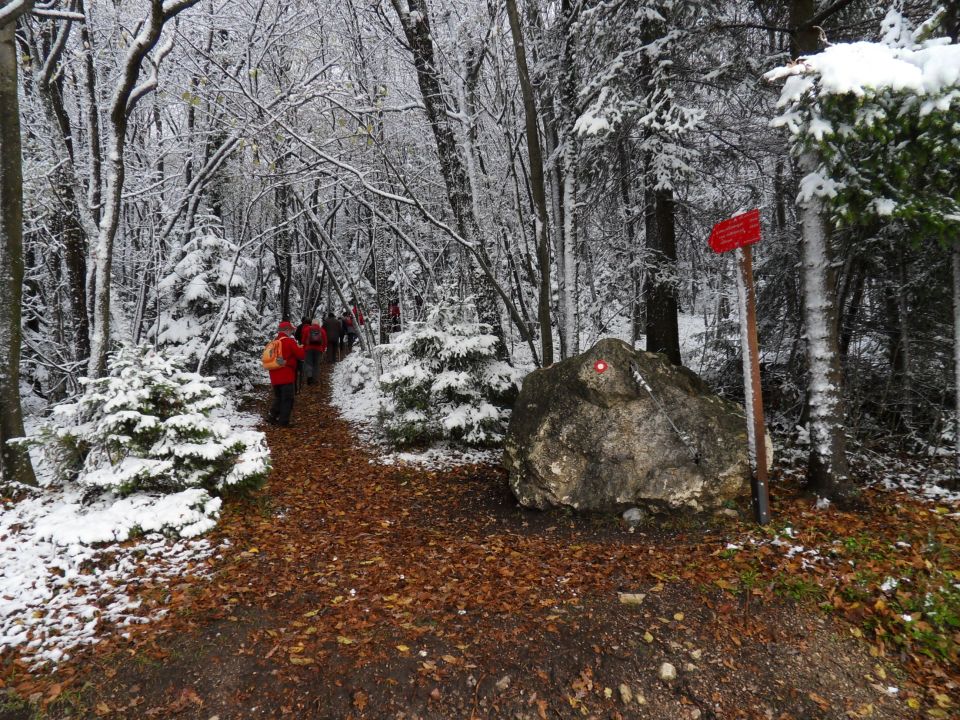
x,y
316,338
272,357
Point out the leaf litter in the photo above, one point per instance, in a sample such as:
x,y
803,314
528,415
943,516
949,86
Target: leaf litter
x,y
356,589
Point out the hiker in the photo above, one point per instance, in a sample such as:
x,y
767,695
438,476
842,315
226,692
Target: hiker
x,y
283,379
350,333
316,344
332,327
301,337
357,314
393,312
302,328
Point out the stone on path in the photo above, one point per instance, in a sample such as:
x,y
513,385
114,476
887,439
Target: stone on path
x,y
668,673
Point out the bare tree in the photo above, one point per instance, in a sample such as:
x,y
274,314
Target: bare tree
x,y
415,21
126,95
537,184
14,459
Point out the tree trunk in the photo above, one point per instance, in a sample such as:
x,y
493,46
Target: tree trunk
x,y
537,184
628,204
378,242
14,459
663,334
956,351
571,319
416,28
828,471
568,100
75,225
126,95
850,310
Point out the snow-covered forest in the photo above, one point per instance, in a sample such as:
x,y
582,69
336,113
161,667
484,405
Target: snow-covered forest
x,y
503,182
194,171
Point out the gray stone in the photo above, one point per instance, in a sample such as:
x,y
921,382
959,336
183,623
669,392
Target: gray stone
x,y
634,517
593,440
668,673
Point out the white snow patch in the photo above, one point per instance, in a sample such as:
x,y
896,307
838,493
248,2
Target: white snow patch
x,y
59,591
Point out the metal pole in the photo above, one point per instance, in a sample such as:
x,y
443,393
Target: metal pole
x,y
753,393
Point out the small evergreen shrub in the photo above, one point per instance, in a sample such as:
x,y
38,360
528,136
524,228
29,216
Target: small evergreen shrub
x,y
446,383
195,300
149,426
360,370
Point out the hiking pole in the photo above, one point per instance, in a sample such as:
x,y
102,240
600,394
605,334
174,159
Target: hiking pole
x,y
683,437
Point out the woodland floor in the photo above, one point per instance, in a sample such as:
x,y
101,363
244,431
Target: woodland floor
x,y
356,590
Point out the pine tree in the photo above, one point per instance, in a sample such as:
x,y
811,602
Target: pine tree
x,y
208,319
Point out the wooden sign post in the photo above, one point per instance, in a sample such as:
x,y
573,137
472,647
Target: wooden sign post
x,y
739,233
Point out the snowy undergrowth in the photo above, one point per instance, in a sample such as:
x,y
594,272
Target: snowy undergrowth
x,y
129,475
60,592
926,478
357,396
151,427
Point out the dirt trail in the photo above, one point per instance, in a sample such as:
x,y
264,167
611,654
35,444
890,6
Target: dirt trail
x,y
352,589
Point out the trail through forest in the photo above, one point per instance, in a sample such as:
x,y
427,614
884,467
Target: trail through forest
x,y
353,589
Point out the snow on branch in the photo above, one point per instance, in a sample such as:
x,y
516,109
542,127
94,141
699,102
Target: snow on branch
x,y
13,10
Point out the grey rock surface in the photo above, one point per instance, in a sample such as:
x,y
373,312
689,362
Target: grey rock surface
x,y
597,440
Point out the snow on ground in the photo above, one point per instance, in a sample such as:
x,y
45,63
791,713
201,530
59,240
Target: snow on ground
x,y
923,478
58,593
65,580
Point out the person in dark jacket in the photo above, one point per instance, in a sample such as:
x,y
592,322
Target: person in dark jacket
x,y
302,328
332,326
349,331
284,379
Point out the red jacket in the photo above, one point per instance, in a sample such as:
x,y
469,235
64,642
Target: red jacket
x,y
322,345
292,352
356,311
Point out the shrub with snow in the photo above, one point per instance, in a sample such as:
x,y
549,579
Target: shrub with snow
x,y
360,371
446,383
151,427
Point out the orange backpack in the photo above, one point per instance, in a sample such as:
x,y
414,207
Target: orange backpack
x,y
272,357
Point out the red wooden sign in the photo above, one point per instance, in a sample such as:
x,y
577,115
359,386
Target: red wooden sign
x,y
736,232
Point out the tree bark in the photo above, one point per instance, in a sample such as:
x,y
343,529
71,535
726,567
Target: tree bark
x,y
416,27
956,352
537,184
660,291
14,459
628,204
569,295
828,473
125,97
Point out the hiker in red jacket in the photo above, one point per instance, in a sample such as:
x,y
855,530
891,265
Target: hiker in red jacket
x,y
315,342
284,379
393,312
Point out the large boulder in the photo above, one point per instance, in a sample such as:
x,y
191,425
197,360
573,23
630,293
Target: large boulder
x,y
594,440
